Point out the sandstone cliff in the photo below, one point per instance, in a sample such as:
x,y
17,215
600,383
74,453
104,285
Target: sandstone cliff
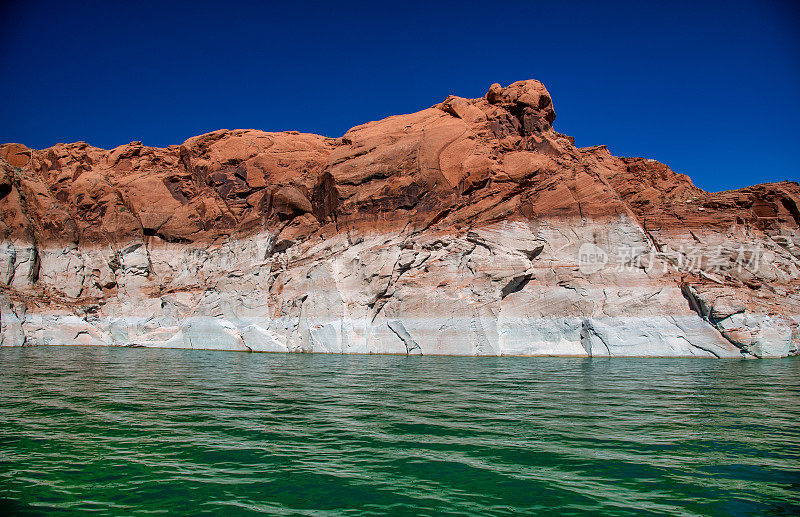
x,y
471,227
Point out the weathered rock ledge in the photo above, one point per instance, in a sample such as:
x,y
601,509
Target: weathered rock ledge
x,y
471,227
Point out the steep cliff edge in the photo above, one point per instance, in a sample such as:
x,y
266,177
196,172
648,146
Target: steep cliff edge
x,y
471,227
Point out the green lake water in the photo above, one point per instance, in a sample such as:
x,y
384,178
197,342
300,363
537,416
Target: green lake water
x,y
116,431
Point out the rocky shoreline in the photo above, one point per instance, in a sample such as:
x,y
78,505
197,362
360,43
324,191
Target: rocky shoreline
x,y
469,228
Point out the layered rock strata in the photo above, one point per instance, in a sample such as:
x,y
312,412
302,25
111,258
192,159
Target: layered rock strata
x,y
471,227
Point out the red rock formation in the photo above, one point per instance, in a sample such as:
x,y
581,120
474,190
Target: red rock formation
x,y
459,165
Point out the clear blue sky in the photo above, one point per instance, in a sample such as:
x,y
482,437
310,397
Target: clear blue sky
x,y
710,88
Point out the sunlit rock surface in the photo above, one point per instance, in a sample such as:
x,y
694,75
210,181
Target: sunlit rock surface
x,y
471,227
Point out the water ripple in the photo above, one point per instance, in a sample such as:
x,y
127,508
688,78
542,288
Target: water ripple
x,y
119,431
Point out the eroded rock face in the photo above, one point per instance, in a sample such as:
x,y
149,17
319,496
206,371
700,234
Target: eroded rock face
x,y
471,227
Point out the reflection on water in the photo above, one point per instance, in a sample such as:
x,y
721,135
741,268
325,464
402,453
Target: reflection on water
x,y
121,431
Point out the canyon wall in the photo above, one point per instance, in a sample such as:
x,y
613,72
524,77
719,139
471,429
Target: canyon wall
x,y
471,227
